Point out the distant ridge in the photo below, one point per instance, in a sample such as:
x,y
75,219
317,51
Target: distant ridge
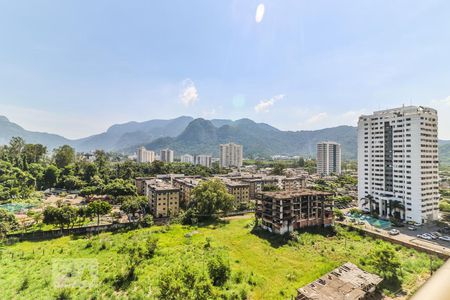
x,y
188,135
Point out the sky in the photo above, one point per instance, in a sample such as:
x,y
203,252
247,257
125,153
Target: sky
x,y
76,67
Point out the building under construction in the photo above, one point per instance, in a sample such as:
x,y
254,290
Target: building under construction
x,y
285,211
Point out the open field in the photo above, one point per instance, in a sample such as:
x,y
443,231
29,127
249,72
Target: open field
x,y
263,266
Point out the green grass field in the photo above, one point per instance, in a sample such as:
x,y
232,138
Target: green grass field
x,y
270,267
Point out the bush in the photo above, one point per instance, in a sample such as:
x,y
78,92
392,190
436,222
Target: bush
x,y
219,269
147,221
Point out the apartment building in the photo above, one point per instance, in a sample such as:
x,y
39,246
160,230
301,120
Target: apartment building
x,y
231,155
292,183
164,199
140,184
257,184
203,160
398,163
240,190
328,158
187,158
186,185
145,156
166,155
285,211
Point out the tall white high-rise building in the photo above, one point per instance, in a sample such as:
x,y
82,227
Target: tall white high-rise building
x,y
144,155
398,163
203,160
328,158
187,158
166,155
231,155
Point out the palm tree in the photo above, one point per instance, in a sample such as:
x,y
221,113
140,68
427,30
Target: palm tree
x,y
368,200
394,205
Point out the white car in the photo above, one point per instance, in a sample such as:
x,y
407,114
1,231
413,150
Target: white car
x,y
394,232
424,236
445,238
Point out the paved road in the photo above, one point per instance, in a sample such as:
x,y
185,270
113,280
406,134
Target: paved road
x,y
410,237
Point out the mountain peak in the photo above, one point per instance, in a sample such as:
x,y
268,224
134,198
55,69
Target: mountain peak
x,y
4,119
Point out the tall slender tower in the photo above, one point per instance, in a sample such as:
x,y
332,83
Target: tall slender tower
x,y
398,163
328,158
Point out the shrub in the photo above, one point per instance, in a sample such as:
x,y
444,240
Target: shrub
x,y
219,269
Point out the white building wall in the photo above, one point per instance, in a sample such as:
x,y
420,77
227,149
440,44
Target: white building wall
x,y
415,182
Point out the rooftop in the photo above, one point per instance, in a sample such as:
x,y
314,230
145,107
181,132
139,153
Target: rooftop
x,y
160,185
347,282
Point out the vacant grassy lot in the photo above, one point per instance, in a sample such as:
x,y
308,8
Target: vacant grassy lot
x,y
263,266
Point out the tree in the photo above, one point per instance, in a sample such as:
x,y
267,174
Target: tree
x,y
72,182
338,214
270,188
185,281
278,169
50,177
34,153
120,187
385,261
63,156
8,222
66,215
211,197
99,208
133,205
218,268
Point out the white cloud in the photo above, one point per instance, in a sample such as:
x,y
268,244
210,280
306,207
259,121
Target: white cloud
x,y
265,105
259,13
189,93
317,118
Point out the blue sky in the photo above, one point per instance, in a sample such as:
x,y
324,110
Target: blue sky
x,y
77,67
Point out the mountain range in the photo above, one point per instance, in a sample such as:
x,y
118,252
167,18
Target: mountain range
x,y
199,136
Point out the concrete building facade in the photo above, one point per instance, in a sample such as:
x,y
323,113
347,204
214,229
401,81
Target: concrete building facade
x,y
328,158
187,158
285,211
398,163
203,160
145,156
163,198
231,155
166,155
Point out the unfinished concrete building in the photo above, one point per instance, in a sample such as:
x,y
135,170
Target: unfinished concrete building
x,y
285,211
348,282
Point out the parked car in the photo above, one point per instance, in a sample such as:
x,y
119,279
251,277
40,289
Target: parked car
x,y
424,236
361,222
445,238
412,228
434,237
436,234
394,232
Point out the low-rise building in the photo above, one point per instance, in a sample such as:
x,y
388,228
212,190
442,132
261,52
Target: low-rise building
x,y
348,282
240,190
140,184
293,183
257,184
164,198
186,185
285,211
